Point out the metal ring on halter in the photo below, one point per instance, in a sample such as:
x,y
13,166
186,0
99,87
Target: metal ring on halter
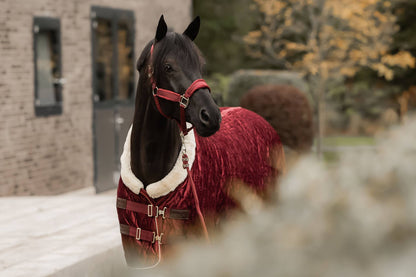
x,y
154,91
184,101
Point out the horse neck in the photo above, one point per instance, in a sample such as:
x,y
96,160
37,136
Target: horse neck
x,y
155,140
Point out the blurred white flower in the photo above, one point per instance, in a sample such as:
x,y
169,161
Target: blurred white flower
x,y
357,218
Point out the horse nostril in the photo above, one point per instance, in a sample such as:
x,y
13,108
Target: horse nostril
x,y
204,117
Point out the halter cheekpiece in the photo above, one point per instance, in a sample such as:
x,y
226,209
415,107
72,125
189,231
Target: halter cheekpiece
x,y
182,99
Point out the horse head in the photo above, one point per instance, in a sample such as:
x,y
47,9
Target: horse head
x,y
172,63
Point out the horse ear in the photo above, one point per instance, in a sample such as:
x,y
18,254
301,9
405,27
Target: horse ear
x,y
162,28
193,28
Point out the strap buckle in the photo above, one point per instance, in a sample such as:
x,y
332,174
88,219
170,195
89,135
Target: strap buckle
x,y
158,212
150,210
138,233
162,212
157,238
184,101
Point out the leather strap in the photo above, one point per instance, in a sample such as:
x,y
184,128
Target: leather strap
x,y
183,100
169,95
185,164
141,234
152,210
197,84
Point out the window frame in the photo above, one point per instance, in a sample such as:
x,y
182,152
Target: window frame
x,y
48,24
113,15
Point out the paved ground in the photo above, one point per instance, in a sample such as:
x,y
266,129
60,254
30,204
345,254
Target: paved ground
x,y
55,235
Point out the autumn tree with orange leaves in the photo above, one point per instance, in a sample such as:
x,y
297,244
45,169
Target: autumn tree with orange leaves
x,y
327,39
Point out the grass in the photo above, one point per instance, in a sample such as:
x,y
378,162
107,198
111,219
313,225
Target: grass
x,y
348,141
331,157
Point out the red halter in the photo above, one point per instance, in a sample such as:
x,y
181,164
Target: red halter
x,y
182,99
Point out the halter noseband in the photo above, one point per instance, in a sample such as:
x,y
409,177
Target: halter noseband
x,y
182,99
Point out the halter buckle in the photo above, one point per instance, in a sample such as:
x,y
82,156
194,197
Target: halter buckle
x,y
184,101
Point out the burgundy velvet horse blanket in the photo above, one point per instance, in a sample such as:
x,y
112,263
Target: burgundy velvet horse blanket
x,y
246,150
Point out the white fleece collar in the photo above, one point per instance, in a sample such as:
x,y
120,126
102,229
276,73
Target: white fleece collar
x,y
167,184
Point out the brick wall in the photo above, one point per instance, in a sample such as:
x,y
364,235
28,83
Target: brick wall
x,y
51,155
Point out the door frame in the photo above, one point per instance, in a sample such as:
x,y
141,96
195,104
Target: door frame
x,y
114,15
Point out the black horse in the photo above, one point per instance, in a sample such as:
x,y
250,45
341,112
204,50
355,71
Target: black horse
x,y
171,178
156,139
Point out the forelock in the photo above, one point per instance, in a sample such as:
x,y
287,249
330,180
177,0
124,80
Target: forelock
x,y
179,46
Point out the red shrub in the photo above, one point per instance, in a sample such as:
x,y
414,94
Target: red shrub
x,y
287,109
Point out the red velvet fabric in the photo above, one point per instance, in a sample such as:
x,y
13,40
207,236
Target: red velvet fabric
x,y
240,151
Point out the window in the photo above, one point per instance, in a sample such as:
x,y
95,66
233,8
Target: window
x,y
113,54
125,58
48,66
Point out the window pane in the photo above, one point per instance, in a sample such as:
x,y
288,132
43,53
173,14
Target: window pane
x,y
125,57
103,60
46,66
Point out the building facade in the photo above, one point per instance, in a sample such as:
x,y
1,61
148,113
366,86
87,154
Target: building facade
x,y
67,85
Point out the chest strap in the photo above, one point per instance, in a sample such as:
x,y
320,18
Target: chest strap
x,y
152,210
141,234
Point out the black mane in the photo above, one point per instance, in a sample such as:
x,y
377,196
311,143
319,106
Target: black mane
x,y
155,136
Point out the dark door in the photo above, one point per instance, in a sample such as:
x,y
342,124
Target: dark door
x,y
113,87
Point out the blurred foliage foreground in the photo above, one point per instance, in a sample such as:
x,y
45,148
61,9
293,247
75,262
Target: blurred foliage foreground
x,y
357,218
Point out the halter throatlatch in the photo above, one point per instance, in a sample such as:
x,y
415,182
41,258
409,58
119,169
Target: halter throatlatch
x,y
182,99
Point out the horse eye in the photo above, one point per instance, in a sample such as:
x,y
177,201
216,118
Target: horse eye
x,y
168,68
